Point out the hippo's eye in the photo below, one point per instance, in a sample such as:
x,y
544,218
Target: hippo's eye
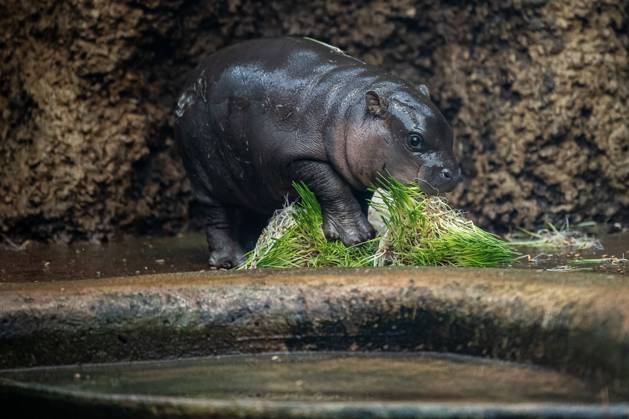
x,y
416,142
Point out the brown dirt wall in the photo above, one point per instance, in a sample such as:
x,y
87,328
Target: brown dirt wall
x,y
537,91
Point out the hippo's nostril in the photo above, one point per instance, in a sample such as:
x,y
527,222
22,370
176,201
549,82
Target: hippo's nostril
x,y
459,176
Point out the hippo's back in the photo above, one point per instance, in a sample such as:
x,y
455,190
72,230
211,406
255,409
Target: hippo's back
x,y
289,67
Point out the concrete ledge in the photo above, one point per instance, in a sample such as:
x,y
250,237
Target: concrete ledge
x,y
577,323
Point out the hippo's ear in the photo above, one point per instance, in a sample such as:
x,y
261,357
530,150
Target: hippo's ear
x,y
375,104
423,89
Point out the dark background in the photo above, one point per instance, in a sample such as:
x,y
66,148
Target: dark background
x,y
537,91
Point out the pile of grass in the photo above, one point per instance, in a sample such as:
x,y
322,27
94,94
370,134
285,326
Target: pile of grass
x,y
294,238
423,230
418,230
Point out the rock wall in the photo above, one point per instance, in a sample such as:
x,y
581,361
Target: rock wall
x,y
538,93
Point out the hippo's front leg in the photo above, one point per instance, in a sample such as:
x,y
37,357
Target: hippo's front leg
x,y
343,218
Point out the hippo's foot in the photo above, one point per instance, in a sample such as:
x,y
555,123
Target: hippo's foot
x,y
226,258
350,230
225,250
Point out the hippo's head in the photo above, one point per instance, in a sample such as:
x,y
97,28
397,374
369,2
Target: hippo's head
x,y
402,133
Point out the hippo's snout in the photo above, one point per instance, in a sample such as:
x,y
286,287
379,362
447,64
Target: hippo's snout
x,y
448,179
443,179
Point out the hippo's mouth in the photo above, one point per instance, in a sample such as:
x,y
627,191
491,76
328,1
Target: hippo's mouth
x,y
427,187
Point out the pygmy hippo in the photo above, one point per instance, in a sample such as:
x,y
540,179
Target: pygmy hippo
x,y
256,116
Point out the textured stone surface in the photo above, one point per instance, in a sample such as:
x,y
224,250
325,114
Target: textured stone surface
x,y
537,92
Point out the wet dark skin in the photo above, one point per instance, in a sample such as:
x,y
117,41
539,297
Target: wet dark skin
x,y
259,115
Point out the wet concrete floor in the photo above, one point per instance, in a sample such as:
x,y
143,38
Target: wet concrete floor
x,y
127,256
131,256
610,256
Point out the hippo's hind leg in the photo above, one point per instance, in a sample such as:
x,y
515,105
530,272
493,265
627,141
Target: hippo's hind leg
x,y
221,231
343,217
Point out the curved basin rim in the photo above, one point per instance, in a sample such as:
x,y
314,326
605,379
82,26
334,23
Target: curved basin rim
x,y
261,408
